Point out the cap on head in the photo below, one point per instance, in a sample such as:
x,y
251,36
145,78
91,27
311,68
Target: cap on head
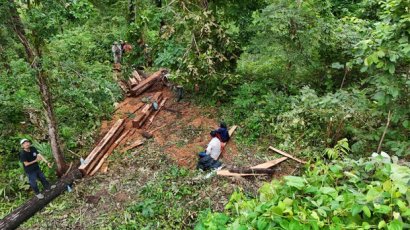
x,y
23,141
115,43
223,125
213,133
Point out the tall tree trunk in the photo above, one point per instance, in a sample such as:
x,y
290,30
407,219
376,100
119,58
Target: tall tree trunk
x,y
33,58
51,123
132,8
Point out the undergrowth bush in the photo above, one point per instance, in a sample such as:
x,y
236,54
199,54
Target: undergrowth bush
x,y
346,194
312,122
162,203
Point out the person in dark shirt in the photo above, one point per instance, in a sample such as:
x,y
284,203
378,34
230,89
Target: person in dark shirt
x,y
222,132
30,157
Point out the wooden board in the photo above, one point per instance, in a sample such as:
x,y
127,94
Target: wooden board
x,y
101,145
136,75
287,155
137,107
132,82
134,145
269,164
151,119
146,111
227,173
97,161
104,168
148,82
252,171
108,153
232,130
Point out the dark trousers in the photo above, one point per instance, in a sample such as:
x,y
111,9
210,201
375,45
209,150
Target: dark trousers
x,y
32,179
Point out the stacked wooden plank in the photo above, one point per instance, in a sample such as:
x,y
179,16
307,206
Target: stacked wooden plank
x,y
134,80
148,111
107,144
145,84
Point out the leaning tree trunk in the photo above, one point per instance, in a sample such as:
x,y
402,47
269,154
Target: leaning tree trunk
x,y
33,58
28,209
51,123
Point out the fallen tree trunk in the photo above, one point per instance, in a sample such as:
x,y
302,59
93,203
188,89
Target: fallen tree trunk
x,y
28,209
147,83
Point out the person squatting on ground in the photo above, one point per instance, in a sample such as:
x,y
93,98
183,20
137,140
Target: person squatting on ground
x,y
206,162
223,134
30,157
214,146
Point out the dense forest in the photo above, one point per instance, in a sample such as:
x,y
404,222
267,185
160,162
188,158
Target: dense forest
x,y
327,80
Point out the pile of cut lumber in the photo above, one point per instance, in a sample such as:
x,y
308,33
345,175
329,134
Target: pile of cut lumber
x,y
104,148
138,85
148,112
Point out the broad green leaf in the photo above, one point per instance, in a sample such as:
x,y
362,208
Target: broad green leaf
x,y
262,224
387,185
381,224
337,65
329,191
294,181
356,209
372,194
395,225
366,211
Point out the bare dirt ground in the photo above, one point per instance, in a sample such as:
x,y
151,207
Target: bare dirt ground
x,y
183,128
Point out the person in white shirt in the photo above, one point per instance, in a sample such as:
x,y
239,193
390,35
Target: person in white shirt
x,y
214,146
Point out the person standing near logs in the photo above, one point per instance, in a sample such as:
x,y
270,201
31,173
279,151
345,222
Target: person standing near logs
x,y
117,53
127,48
30,157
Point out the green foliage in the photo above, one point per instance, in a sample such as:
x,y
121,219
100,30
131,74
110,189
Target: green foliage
x,y
345,194
292,45
340,149
197,40
76,58
300,44
163,200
